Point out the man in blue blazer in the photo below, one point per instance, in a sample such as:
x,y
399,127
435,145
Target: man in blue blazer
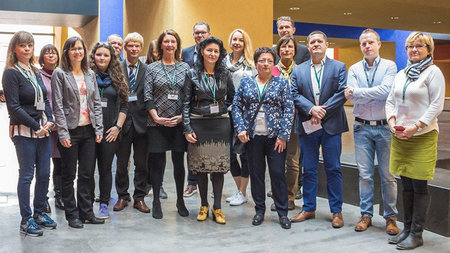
x,y
318,90
189,55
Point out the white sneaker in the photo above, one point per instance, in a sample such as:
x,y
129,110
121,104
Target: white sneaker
x,y
232,196
239,200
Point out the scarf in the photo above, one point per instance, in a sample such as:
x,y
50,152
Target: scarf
x,y
413,70
234,67
103,79
286,73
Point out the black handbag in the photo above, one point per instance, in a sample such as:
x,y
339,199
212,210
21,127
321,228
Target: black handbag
x,y
238,146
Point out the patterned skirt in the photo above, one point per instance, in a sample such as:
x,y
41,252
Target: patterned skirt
x,y
211,153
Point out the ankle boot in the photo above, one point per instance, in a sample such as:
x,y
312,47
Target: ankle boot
x,y
420,210
47,208
57,189
408,198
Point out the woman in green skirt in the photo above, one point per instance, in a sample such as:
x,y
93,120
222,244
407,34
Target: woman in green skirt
x,y
414,103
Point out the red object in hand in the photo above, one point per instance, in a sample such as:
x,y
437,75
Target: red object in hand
x,y
399,128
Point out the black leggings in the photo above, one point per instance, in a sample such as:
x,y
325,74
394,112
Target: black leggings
x,y
156,165
57,171
217,183
414,185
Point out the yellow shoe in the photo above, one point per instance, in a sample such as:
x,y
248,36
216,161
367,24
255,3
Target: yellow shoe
x,y
218,216
203,213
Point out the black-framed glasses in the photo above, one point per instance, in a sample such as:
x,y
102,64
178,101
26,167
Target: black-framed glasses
x,y
418,47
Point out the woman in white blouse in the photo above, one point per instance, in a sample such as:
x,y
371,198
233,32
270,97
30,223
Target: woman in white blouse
x,y
412,108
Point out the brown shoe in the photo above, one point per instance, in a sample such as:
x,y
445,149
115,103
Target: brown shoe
x,y
189,191
391,226
303,215
120,204
363,223
141,206
291,205
337,221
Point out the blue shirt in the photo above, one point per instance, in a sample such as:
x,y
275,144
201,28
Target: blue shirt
x,y
369,98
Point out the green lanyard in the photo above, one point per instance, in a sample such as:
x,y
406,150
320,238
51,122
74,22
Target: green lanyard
x,y
367,76
101,92
318,75
212,87
260,93
32,80
405,86
172,81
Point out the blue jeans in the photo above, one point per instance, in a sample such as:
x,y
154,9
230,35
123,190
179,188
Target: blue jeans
x,y
331,152
32,153
368,141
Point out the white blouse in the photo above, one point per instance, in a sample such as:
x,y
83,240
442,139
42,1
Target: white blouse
x,y
422,100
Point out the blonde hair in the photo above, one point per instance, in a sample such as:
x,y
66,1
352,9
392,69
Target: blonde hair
x,y
424,38
370,30
135,37
248,49
19,38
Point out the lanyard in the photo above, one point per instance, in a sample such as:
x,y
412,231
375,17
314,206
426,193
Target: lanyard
x,y
405,86
260,93
212,87
101,92
367,76
32,80
172,81
318,75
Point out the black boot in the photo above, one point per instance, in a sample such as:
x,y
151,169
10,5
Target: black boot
x,y
408,199
47,208
57,189
157,211
420,210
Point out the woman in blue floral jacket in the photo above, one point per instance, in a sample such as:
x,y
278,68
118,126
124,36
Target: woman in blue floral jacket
x,y
268,134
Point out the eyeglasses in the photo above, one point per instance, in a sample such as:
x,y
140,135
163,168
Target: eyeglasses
x,y
262,61
418,47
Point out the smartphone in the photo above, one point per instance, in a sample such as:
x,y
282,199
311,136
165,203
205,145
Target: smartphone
x,y
399,128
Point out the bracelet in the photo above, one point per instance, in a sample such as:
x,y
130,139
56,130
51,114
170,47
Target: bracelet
x,y
118,127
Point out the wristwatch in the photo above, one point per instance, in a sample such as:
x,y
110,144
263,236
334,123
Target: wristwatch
x,y
419,129
118,127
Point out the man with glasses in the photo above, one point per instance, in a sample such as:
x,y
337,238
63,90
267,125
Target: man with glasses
x,y
189,55
368,85
318,91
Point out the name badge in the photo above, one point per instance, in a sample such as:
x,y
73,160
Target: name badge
x,y
40,106
173,95
132,98
104,102
214,108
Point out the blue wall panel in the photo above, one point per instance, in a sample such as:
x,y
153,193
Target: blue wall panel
x,y
111,18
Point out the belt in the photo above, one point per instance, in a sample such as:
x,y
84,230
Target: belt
x,y
372,122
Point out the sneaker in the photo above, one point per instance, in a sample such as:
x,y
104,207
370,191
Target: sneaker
x,y
45,221
190,190
162,193
103,212
31,228
239,200
232,196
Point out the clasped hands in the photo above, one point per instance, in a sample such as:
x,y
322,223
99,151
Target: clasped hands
x,y
318,112
348,92
169,122
405,134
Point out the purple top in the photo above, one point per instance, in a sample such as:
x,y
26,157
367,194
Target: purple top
x,y
46,78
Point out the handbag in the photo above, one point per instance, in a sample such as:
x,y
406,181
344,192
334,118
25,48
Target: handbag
x,y
238,146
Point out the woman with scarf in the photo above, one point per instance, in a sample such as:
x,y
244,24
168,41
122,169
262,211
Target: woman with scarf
x,y
240,63
49,60
114,99
413,105
286,50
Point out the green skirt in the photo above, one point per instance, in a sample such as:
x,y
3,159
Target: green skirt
x,y
415,157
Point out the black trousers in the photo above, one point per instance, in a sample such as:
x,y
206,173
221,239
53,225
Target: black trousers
x,y
82,155
105,156
57,172
140,155
258,148
157,164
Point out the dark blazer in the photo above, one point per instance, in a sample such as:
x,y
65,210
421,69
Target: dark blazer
x,y
332,95
301,56
66,102
187,55
137,114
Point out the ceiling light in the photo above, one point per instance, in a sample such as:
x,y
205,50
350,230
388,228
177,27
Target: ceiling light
x,y
347,13
301,41
394,17
437,22
331,43
294,8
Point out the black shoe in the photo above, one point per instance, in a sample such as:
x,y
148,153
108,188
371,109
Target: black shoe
x,y
47,208
157,212
162,193
59,203
76,223
93,220
285,222
299,194
182,210
258,219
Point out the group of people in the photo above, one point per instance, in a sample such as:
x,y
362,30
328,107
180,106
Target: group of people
x,y
81,109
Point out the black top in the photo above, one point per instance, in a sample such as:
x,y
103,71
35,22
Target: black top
x,y
20,94
301,56
111,111
198,96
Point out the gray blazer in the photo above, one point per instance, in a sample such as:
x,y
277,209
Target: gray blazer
x,y
66,102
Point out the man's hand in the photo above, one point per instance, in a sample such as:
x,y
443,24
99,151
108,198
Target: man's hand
x,y
318,111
